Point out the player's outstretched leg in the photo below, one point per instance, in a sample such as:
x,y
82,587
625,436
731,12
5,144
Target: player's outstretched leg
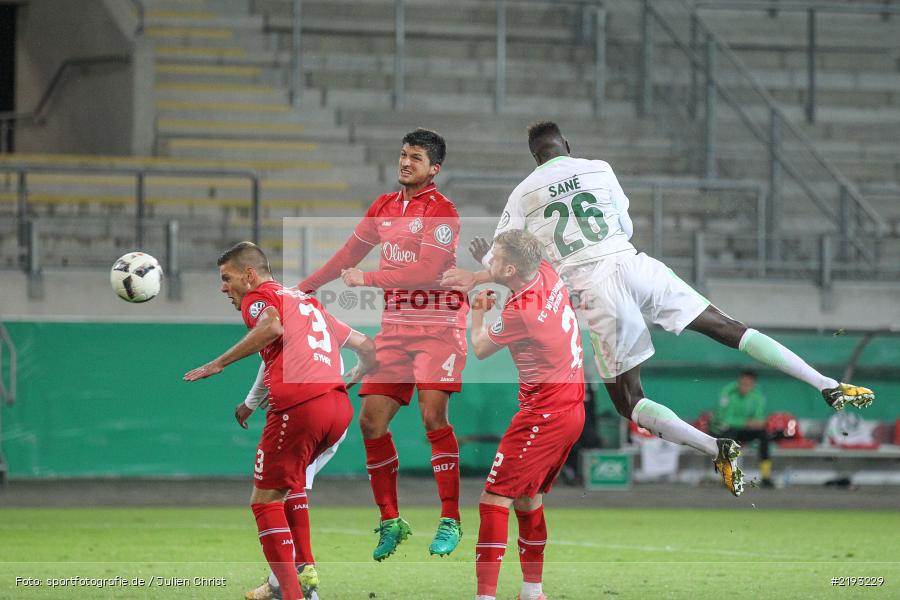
x,y
725,465
627,395
725,330
390,533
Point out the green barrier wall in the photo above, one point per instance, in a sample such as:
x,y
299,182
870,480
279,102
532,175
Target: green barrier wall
x,y
98,399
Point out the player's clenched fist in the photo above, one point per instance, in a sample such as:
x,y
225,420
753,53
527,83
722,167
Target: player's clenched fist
x,y
352,277
484,300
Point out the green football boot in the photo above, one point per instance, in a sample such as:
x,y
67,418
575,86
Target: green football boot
x,y
391,533
309,581
446,537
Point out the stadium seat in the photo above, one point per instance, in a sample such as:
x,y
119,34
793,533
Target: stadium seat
x,y
787,428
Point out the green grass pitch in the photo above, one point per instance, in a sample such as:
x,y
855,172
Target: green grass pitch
x,y
604,554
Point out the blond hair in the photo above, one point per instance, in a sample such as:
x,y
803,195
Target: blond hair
x,y
522,250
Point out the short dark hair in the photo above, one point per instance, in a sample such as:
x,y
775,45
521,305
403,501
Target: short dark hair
x,y
748,373
541,133
522,249
432,141
246,254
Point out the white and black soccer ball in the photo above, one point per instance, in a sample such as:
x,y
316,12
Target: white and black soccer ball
x,y
136,277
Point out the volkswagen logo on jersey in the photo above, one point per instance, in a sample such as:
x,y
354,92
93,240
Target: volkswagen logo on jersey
x,y
497,327
256,308
504,219
395,253
443,235
416,225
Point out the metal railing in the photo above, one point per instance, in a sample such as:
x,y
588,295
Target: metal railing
x,y
812,9
7,388
140,12
37,116
592,30
28,234
747,253
788,149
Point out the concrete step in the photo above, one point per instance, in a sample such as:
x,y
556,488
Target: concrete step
x,y
210,37
309,110
224,128
263,149
367,122
421,14
216,6
155,20
167,72
120,189
545,106
221,92
477,85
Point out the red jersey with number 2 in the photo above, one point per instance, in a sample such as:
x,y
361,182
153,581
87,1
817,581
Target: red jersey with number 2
x,y
305,362
539,326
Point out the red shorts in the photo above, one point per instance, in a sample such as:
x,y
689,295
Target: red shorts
x,y
423,357
533,451
294,437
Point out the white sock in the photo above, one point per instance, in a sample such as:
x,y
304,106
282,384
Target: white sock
x,y
666,424
273,581
771,353
485,598
530,591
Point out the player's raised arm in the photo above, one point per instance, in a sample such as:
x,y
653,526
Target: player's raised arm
x,y
513,217
357,246
463,280
268,328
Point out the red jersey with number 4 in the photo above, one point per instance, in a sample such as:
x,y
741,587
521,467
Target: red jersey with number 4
x,y
418,243
539,326
305,362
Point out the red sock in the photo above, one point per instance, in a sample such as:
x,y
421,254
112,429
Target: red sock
x,y
296,507
278,546
382,465
491,547
532,539
445,463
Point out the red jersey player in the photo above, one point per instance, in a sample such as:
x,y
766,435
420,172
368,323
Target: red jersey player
x,y
308,405
422,343
539,327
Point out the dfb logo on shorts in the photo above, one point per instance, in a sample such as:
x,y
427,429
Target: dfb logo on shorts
x,y
497,327
256,308
416,225
443,235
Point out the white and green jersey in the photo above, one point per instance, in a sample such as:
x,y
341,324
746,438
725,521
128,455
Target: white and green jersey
x,y
576,208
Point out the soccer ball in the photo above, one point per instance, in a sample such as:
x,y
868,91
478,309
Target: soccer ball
x,y
135,277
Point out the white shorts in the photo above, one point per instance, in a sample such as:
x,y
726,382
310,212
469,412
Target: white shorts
x,y
640,289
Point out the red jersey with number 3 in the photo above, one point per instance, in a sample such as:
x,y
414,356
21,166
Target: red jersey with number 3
x,y
539,326
418,243
305,362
